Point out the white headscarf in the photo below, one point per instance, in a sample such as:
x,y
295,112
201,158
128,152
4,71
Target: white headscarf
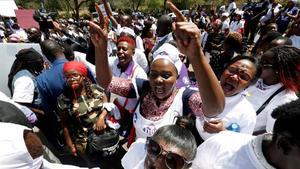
x,y
169,52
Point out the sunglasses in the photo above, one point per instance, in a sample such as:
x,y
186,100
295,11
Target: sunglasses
x,y
172,160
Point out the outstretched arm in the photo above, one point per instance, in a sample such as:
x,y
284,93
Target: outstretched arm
x,y
189,43
99,38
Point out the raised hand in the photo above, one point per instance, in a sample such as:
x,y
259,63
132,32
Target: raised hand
x,y
99,30
187,35
179,16
188,39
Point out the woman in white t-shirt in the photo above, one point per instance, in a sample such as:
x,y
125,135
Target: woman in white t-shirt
x,y
238,114
280,69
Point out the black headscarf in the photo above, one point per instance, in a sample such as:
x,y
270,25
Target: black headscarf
x,y
28,59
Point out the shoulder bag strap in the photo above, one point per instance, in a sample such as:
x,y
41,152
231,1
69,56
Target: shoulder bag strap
x,y
262,107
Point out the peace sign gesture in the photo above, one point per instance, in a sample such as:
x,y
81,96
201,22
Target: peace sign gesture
x,y
99,30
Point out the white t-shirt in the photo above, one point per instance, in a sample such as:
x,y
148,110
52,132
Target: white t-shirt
x,y
131,73
23,86
237,110
236,26
139,43
225,25
230,150
135,156
295,41
257,94
140,58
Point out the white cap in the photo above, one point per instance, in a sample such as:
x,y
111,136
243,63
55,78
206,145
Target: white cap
x,y
126,30
169,52
13,151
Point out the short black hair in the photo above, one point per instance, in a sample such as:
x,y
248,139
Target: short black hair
x,y
51,49
287,121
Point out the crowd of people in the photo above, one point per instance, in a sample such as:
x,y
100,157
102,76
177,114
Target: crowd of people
x,y
132,91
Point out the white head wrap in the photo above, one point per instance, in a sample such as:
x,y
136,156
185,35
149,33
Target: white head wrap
x,y
126,30
13,151
169,52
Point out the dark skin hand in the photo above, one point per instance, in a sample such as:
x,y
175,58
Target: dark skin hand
x,y
214,126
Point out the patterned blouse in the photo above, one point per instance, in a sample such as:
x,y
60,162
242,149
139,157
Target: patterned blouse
x,y
149,109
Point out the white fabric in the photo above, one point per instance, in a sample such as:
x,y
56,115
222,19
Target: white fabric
x,y
268,15
138,72
14,153
235,26
230,150
27,112
140,58
237,110
23,87
231,7
135,156
165,39
146,128
295,41
225,25
125,30
169,52
21,32
257,94
81,57
7,8
48,165
139,43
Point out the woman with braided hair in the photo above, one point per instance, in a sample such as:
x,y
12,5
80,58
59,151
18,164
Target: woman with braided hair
x,y
82,109
278,84
21,79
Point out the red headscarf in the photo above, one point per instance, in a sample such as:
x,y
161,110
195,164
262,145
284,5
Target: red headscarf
x,y
77,66
127,39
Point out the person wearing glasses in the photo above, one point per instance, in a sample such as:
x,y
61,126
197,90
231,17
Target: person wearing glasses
x,y
277,85
82,108
171,147
230,150
238,114
160,100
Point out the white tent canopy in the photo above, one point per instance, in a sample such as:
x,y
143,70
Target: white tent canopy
x,y
7,8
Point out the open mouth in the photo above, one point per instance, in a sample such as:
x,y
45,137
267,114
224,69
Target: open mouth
x,y
159,89
228,87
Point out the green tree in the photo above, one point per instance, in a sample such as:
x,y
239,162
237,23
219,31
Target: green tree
x,y
74,6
